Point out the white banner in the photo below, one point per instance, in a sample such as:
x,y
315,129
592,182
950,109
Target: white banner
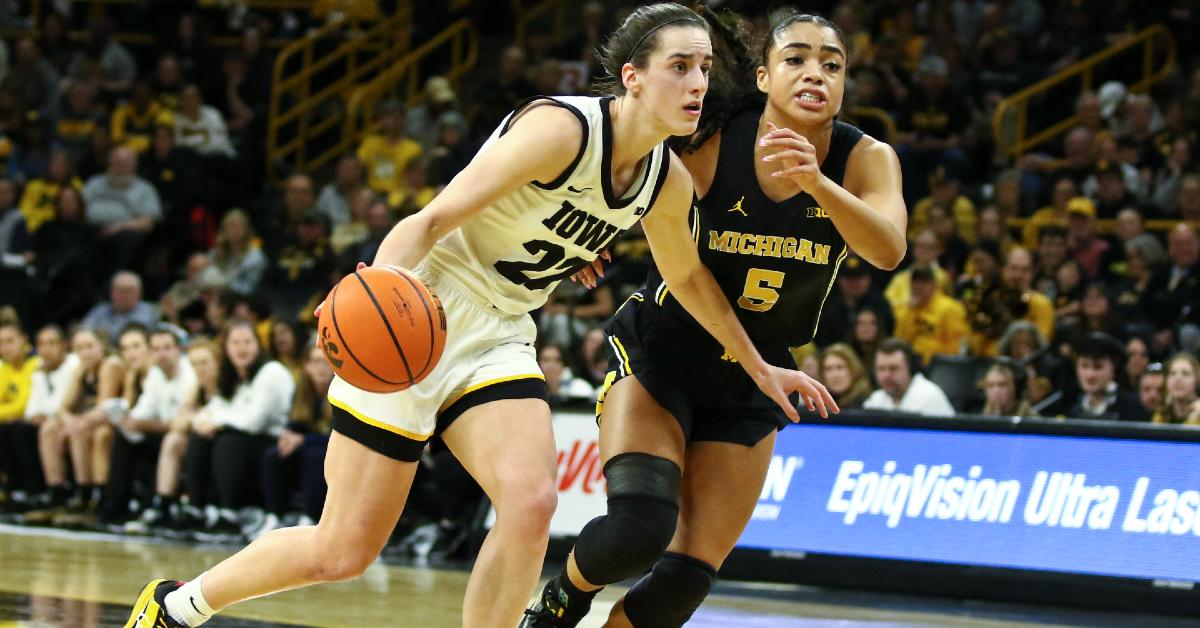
x,y
581,486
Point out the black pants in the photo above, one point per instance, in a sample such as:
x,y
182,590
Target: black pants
x,y
304,467
224,470
129,463
20,463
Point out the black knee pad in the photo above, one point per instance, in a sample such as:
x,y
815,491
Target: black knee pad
x,y
643,506
670,593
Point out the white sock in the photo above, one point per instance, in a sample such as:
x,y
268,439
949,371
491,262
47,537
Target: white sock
x,y
187,605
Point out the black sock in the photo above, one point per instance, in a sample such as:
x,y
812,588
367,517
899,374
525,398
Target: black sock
x,y
577,600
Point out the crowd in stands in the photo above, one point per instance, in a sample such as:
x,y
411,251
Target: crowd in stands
x,y
155,363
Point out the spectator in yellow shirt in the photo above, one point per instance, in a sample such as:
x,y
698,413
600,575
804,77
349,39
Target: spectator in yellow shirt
x,y
386,153
926,250
134,121
1057,213
945,193
933,323
16,382
40,195
16,371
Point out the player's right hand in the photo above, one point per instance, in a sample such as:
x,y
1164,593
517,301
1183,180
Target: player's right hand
x,y
779,383
321,305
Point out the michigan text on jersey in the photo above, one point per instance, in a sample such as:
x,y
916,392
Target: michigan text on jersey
x,y
768,246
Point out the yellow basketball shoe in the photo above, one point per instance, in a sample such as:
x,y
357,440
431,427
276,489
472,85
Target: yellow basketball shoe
x,y
150,611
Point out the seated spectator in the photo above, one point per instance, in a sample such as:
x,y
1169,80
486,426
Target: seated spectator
x,y
866,335
561,384
1003,394
297,202
1052,251
33,78
284,346
17,368
125,306
64,261
901,387
1097,358
1181,404
16,252
855,292
298,457
955,249
1065,192
168,82
187,290
926,249
156,384
932,323
201,127
235,427
1018,301
79,118
49,385
414,192
1085,245
931,128
1150,387
81,424
135,120
203,359
303,270
843,374
1175,290
572,310
1137,360
41,194
386,153
124,206
945,193
422,122
593,357
348,237
238,261
1068,291
104,56
1111,194
336,197
453,150
1144,257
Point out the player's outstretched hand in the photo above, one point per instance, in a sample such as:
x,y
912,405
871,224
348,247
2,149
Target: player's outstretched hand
x,y
317,311
591,274
778,383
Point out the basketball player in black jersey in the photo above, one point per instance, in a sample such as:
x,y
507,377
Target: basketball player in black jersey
x,y
784,190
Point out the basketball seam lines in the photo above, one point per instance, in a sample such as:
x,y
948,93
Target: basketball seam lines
x,y
346,345
429,315
388,325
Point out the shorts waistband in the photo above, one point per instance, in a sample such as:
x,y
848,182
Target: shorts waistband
x,y
444,282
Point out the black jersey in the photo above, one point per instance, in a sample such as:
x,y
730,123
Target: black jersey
x,y
775,262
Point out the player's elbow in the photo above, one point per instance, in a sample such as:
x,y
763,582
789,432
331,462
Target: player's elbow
x,y
887,253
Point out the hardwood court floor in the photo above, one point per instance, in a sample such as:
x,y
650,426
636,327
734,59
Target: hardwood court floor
x,y
55,578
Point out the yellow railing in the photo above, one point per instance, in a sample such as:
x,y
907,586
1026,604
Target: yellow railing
x,y
308,101
458,45
525,15
1010,122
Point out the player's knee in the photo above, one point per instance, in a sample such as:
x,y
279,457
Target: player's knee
x,y
527,507
673,591
103,437
343,560
643,507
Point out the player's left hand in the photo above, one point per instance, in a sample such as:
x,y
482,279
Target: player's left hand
x,y
797,157
778,383
591,274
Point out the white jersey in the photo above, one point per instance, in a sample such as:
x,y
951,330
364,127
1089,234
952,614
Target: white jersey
x,y
513,254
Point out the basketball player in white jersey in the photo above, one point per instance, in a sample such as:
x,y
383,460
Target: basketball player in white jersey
x,y
552,187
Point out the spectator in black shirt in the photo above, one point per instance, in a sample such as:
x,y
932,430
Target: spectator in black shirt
x,y
854,294
931,129
1097,358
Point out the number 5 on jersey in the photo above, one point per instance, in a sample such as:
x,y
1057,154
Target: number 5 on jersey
x,y
762,290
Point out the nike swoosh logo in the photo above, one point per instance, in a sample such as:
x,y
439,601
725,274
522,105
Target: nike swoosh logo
x,y
192,600
573,190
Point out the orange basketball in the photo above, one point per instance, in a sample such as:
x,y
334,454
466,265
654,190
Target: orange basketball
x,y
382,330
